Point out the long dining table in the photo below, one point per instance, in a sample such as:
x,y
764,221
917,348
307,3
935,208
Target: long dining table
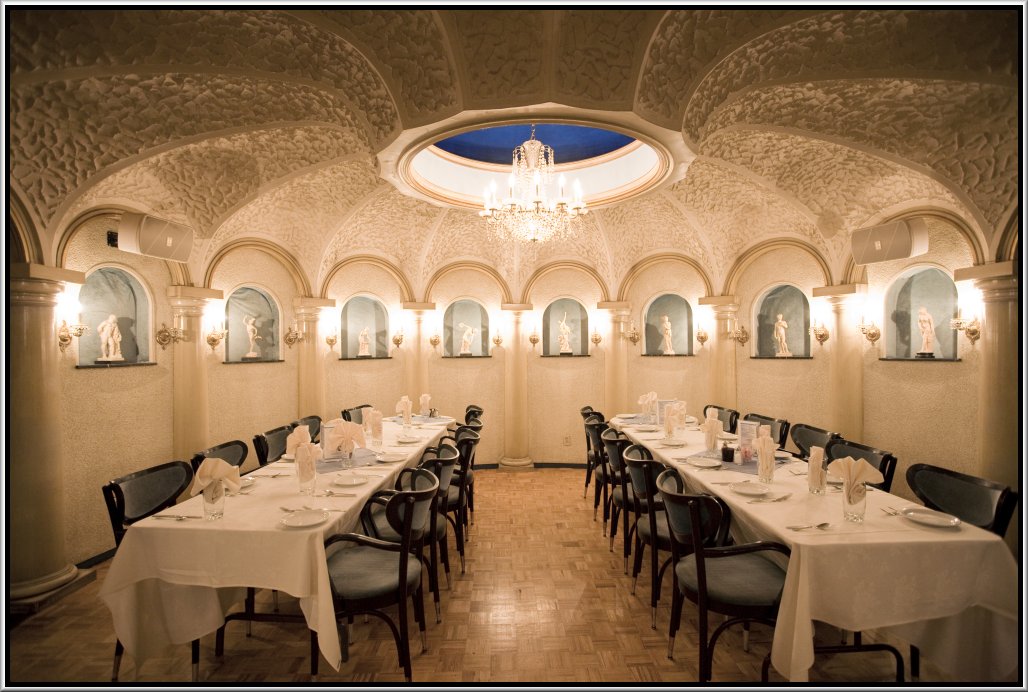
x,y
173,581
953,591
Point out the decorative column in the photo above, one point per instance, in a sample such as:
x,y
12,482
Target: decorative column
x,y
417,372
998,379
515,452
190,411
310,389
37,559
615,390
846,360
722,361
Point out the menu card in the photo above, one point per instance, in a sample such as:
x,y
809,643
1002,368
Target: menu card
x,y
747,438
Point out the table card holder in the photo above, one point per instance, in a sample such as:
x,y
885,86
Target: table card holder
x,y
747,437
662,405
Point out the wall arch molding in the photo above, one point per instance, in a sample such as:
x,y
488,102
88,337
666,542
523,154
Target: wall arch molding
x,y
303,286
406,292
747,258
542,271
23,232
642,265
474,266
1010,238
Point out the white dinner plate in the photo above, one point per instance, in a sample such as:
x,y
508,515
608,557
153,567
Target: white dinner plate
x,y
672,443
727,436
408,440
750,488
247,481
782,454
702,463
929,517
390,457
286,457
647,428
348,480
303,518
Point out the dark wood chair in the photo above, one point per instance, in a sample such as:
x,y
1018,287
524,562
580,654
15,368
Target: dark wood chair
x,y
271,445
651,528
806,436
779,427
234,452
355,414
838,448
621,498
728,417
313,424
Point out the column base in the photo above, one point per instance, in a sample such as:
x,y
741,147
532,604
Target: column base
x,y
42,585
509,463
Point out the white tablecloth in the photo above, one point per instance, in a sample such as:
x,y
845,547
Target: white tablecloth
x,y
953,592
174,581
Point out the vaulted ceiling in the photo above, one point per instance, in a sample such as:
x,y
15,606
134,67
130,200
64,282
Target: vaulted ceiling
x,y
268,124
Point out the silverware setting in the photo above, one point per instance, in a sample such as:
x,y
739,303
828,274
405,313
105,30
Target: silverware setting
x,y
891,511
770,499
313,509
334,493
822,526
177,517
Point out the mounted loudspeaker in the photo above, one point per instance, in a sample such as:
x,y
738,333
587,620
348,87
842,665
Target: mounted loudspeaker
x,y
148,235
896,240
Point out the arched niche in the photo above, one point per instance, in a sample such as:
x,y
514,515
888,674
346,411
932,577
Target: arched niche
x,y
932,289
250,307
115,291
360,313
679,321
572,313
465,318
791,304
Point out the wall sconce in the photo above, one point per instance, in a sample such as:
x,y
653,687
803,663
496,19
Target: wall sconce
x,y
596,338
739,335
65,333
972,328
398,338
215,336
701,336
166,335
332,339
533,339
870,331
497,340
632,334
434,340
820,333
292,336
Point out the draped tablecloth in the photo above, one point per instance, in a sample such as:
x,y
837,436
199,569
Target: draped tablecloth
x,y
953,592
174,581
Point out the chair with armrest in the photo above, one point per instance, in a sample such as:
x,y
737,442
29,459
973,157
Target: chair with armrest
x,y
621,498
838,448
313,424
589,460
651,526
234,452
271,445
373,575
779,427
456,506
729,417
806,436
137,496
605,482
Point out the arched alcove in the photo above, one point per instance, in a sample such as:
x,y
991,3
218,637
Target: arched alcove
x,y
920,287
360,313
114,291
678,314
569,315
250,309
785,306
467,321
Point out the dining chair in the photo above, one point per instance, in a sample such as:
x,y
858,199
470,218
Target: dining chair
x,y
604,480
271,445
372,575
473,414
355,414
651,527
472,407
589,461
978,501
456,505
622,499
313,424
839,448
728,417
806,436
234,452
441,462
137,496
779,427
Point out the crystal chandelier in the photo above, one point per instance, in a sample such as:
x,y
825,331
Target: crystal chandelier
x,y
533,210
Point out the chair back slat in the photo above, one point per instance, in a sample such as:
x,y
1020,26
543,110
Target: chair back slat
x,y
233,452
975,500
838,448
779,427
728,417
806,436
140,494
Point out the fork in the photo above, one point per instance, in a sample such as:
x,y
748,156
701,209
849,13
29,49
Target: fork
x,y
891,511
333,493
177,517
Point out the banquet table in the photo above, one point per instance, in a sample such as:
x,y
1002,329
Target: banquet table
x,y
953,591
174,581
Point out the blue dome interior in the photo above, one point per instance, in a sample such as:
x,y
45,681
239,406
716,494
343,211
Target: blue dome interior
x,y
570,143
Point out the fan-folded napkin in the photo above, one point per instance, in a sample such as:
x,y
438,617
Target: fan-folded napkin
x,y
301,434
425,401
403,408
647,401
670,421
765,452
711,429
213,469
816,469
343,435
307,455
373,419
854,474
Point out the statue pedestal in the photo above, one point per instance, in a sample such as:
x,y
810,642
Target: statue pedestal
x,y
566,353
464,355
365,355
111,359
924,354
783,355
248,357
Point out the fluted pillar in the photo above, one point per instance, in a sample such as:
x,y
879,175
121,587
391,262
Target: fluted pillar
x,y
190,410
515,451
36,560
722,362
846,361
615,390
310,385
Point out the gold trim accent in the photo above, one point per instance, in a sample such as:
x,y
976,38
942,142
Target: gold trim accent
x,y
702,336
65,334
820,333
434,340
168,335
331,340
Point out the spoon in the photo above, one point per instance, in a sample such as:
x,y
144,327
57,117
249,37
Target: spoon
x,y
822,526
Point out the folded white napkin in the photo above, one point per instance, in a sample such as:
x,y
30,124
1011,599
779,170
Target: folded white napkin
x,y
711,429
647,402
425,401
214,469
854,474
403,407
343,436
307,455
373,418
679,407
765,454
816,468
670,421
301,434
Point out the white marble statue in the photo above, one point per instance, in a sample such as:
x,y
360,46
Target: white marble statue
x,y
564,338
465,341
110,339
927,326
251,333
667,347
781,345
362,343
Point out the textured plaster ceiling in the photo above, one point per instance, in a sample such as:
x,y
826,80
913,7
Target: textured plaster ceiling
x,y
266,124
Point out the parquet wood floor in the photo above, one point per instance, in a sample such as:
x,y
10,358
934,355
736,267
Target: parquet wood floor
x,y
543,600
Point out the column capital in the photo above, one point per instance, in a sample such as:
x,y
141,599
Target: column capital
x,y
191,300
998,289
986,271
516,307
839,291
41,272
309,309
418,308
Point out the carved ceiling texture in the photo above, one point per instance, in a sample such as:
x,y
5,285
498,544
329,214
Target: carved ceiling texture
x,y
266,124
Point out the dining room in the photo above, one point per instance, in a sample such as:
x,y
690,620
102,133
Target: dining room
x,y
484,287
